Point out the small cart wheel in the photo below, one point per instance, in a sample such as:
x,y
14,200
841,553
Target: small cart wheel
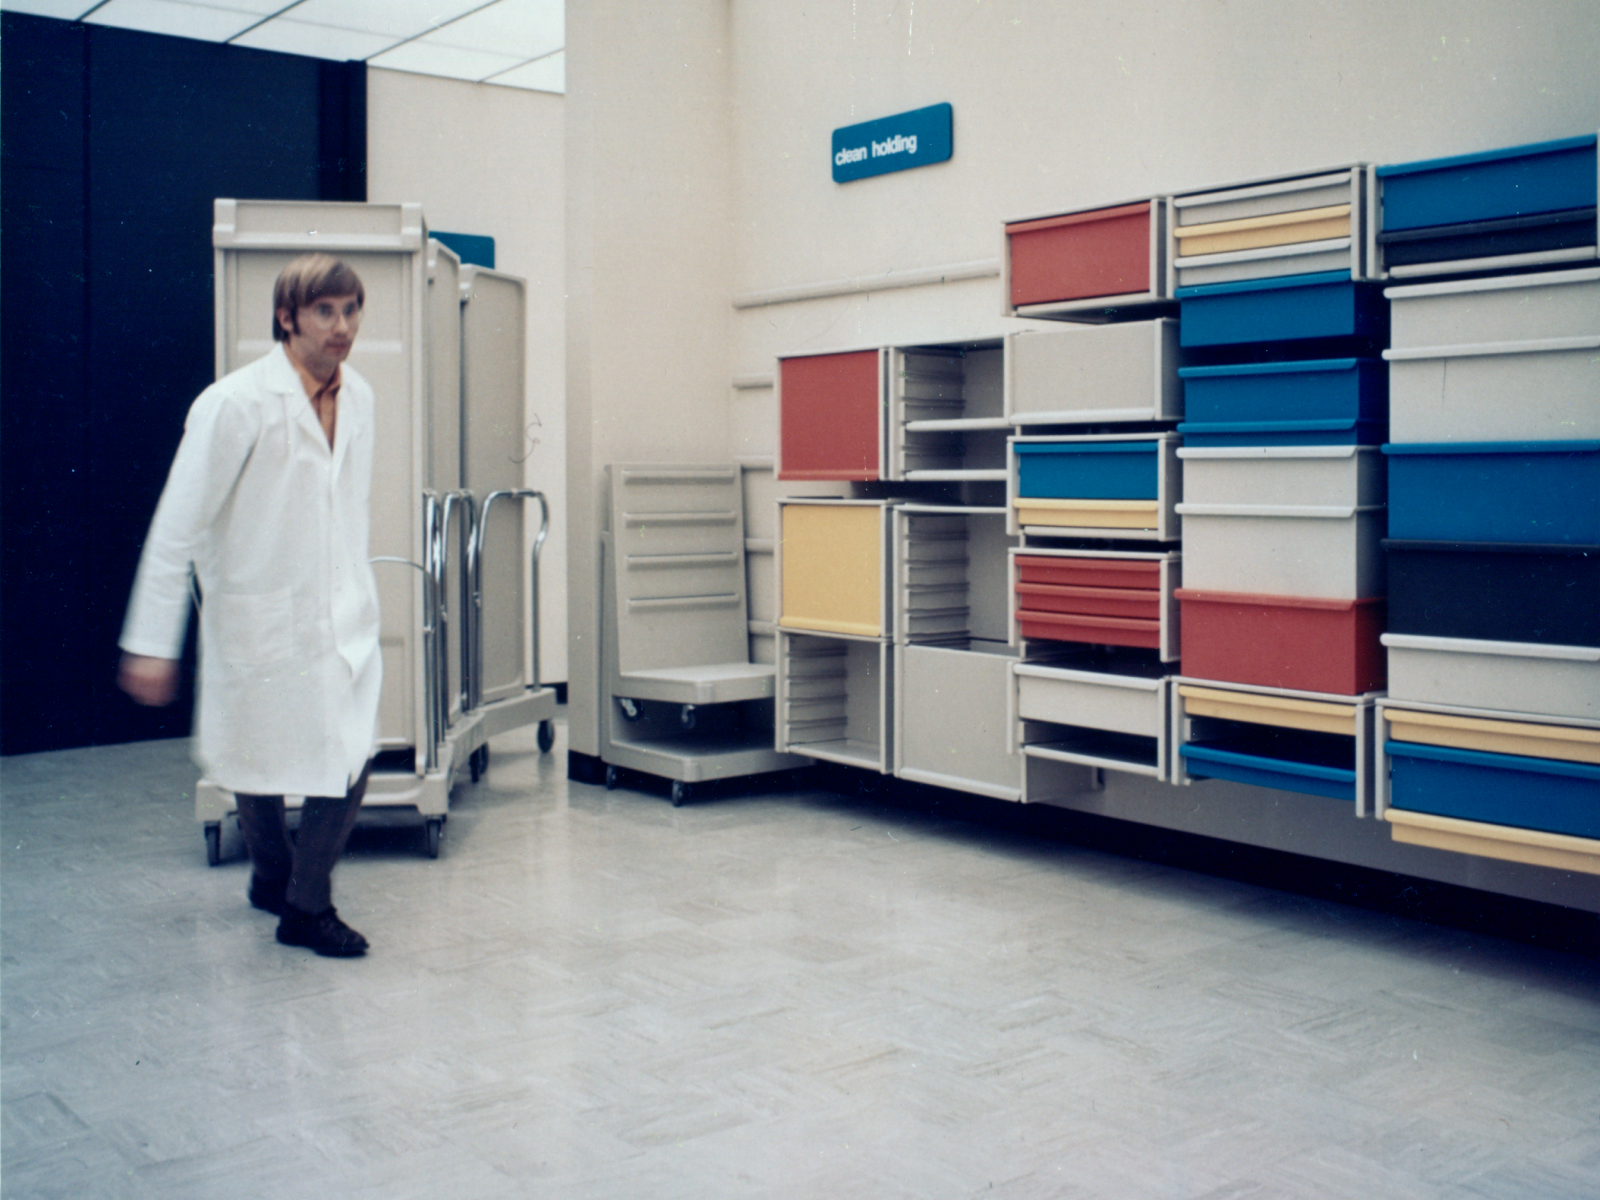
x,y
432,832
681,791
213,833
478,762
547,735
611,777
687,716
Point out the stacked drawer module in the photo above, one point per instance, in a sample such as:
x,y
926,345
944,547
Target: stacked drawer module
x,y
1285,404
834,680
1094,486
1499,210
1493,638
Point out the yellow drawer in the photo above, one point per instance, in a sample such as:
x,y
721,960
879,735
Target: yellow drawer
x,y
1276,229
1531,846
1319,716
1093,514
833,568
1566,742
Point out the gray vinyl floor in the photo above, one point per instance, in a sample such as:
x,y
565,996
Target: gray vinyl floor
x,y
591,994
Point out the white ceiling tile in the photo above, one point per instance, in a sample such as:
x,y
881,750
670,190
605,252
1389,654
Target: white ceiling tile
x,y
398,18
427,59
197,21
548,74
63,10
315,41
525,27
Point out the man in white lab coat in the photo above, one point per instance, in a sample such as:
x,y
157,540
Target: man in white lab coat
x,y
268,499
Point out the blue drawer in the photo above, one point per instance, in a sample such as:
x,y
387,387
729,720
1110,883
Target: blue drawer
x,y
1522,492
1204,761
1291,391
1538,178
1497,789
1089,470
1285,308
1335,432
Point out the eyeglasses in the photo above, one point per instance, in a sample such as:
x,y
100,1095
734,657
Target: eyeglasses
x,y
326,313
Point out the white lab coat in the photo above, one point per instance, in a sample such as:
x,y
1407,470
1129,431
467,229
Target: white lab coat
x,y
276,525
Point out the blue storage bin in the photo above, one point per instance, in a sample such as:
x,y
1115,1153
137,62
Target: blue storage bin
x,y
1283,308
1522,492
1319,389
1497,789
1538,178
1336,432
1213,762
1089,470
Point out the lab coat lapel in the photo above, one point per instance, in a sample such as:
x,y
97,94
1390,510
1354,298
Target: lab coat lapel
x,y
285,380
343,429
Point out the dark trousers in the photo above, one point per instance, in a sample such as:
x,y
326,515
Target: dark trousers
x,y
307,862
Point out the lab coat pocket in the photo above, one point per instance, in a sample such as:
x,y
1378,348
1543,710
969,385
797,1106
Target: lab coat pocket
x,y
253,629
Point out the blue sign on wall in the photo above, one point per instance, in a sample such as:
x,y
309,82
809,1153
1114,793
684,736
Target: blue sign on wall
x,y
898,143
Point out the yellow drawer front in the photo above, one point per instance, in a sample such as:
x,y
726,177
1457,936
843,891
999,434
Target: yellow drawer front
x,y
1496,737
1092,514
1279,229
1286,712
1531,846
833,568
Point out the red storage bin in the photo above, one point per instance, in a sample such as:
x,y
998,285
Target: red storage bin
x,y
1088,601
830,416
1284,641
1089,572
1079,255
1099,631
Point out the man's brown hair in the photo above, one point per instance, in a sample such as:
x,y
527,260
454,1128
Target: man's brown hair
x,y
305,281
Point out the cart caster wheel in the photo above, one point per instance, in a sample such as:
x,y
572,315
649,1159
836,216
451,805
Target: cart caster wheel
x,y
478,762
432,832
687,716
213,843
547,736
611,778
680,792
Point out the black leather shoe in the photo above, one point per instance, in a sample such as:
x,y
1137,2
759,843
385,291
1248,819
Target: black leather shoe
x,y
268,894
322,932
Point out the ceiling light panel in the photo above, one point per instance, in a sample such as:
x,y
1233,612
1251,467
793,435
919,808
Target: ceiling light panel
x,y
548,74
396,18
314,41
62,10
201,22
524,27
449,61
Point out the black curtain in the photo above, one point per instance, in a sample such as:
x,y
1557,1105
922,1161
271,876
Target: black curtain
x,y
113,145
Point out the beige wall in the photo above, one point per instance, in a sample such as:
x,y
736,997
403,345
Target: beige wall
x,y
649,256
488,160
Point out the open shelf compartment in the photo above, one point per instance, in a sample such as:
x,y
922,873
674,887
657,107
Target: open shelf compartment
x,y
951,573
834,697
1313,743
946,413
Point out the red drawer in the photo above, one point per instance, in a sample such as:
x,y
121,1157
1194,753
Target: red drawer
x,y
1079,255
1100,631
1089,572
1283,641
829,416
1034,598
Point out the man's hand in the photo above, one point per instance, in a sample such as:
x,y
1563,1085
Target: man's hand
x,y
150,681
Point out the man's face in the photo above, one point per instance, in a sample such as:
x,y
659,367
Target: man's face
x,y
327,330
